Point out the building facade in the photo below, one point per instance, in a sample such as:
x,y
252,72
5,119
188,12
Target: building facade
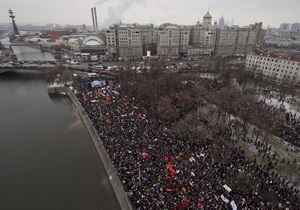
x,y
203,39
173,40
226,41
237,40
274,66
131,41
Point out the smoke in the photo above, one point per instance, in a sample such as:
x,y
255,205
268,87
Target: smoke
x,y
116,9
99,2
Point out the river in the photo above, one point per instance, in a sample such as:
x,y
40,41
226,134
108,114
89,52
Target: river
x,y
47,159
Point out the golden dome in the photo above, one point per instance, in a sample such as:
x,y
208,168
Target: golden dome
x,y
207,15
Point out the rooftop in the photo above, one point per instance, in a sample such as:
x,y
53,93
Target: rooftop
x,y
272,54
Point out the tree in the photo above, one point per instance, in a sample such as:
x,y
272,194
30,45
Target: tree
x,y
59,74
166,110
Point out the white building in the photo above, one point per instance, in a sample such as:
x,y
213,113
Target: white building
x,y
173,39
130,41
274,66
203,39
225,41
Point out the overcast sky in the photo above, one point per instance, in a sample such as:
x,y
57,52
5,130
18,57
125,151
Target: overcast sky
x,y
185,12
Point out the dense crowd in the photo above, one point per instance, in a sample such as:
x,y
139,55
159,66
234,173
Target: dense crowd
x,y
291,129
159,170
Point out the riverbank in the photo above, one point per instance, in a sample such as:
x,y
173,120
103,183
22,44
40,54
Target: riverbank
x,y
105,159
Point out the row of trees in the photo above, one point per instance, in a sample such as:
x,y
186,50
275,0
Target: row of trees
x,y
176,97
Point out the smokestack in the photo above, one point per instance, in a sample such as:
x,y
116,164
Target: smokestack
x,y
93,19
96,20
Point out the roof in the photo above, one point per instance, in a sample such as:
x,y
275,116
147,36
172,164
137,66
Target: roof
x,y
93,41
271,54
207,15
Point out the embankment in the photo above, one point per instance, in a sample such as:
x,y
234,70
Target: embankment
x,y
110,170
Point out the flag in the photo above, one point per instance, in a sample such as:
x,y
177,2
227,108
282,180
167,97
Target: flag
x,y
224,199
227,188
145,154
200,204
233,205
216,197
183,204
171,189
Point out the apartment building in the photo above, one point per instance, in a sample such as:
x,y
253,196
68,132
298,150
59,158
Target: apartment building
x,y
173,39
274,66
133,40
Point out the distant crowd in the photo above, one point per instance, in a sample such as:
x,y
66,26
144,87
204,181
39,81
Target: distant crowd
x,y
291,129
160,170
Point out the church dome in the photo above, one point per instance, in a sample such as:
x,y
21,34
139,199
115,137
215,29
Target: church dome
x,y
207,15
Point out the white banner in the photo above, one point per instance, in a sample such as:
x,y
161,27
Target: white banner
x,y
224,199
233,205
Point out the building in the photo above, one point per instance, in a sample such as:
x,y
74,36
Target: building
x,y
173,40
207,19
221,23
130,41
285,26
295,27
238,40
274,66
92,45
226,41
149,38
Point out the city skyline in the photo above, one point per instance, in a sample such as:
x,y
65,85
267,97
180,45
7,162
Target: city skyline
x,y
270,12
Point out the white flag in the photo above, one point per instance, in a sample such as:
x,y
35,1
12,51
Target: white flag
x,y
233,205
224,199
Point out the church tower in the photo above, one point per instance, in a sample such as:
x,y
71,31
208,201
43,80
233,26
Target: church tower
x,y
207,18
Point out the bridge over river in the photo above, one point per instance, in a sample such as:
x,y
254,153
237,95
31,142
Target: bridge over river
x,y
30,52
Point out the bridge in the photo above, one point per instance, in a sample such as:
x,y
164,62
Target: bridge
x,y
31,67
32,45
30,52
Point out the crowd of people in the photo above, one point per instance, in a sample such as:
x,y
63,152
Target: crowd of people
x,y
291,129
160,170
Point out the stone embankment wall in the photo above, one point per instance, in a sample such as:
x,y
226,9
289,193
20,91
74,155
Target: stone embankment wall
x,y
110,169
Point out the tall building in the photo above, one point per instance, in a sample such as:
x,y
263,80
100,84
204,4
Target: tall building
x,y
274,66
202,39
285,26
131,41
173,40
295,26
149,38
221,23
227,23
226,40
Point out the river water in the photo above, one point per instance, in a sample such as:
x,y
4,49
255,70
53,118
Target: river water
x,y
47,159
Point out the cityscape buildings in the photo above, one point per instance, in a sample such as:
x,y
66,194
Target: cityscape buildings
x,y
202,39
285,26
275,66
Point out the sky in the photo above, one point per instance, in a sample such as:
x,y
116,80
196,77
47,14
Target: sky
x,y
182,12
